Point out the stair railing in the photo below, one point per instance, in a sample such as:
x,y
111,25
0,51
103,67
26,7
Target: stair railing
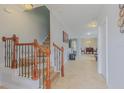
x,y
27,59
30,60
59,59
9,46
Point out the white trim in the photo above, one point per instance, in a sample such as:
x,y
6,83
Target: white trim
x,y
99,67
107,50
99,53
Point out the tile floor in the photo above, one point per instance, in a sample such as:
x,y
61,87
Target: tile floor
x,y
81,74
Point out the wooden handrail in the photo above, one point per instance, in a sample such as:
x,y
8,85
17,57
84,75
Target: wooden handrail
x,y
57,46
14,37
24,43
7,38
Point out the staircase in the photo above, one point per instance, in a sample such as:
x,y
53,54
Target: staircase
x,y
46,43
31,62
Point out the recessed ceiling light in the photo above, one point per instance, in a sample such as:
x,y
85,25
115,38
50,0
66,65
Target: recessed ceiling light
x,y
92,24
88,33
28,6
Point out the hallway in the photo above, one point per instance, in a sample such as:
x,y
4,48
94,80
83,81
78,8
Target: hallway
x,y
81,74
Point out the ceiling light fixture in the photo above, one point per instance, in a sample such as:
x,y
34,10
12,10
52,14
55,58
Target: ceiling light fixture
x,y
28,6
92,24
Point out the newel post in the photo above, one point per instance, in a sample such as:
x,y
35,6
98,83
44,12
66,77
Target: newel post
x,y
62,65
14,60
3,38
35,69
48,82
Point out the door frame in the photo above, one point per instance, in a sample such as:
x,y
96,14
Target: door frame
x,y
99,64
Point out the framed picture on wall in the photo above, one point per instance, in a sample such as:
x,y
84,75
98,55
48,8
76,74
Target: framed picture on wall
x,y
65,37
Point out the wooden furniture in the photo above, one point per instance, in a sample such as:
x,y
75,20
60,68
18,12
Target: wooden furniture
x,y
89,50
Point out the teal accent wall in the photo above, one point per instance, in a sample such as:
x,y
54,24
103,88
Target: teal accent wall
x,y
41,16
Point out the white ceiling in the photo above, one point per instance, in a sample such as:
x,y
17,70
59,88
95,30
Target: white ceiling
x,y
77,15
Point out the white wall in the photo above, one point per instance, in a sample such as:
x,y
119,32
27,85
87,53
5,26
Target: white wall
x,y
115,48
56,31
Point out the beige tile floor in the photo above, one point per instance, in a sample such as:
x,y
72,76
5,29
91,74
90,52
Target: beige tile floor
x,y
81,74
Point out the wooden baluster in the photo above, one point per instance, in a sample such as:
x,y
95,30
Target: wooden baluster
x,y
4,40
54,57
22,61
62,66
17,55
43,69
25,61
11,52
28,62
59,59
35,69
48,82
19,61
39,67
7,52
32,58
